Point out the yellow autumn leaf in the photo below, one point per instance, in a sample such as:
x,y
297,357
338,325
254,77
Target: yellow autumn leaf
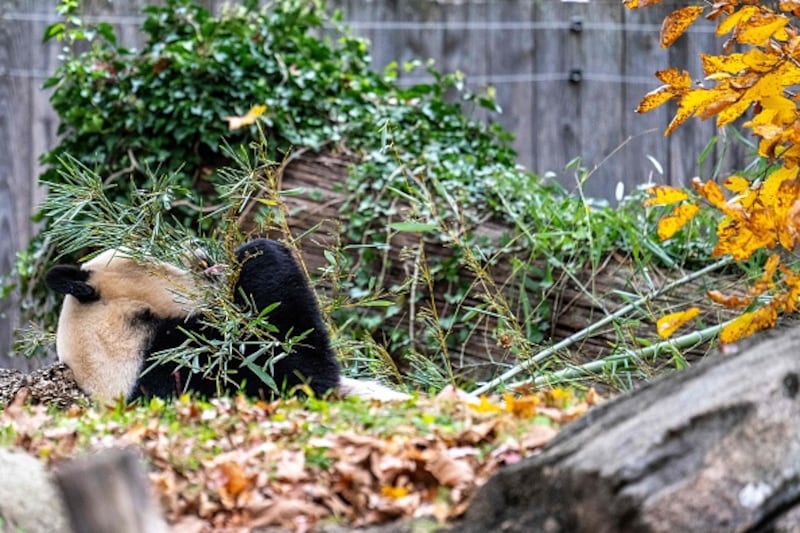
x,y
669,324
718,76
711,191
394,493
761,28
791,153
731,64
680,117
771,137
792,295
698,100
765,86
789,5
735,18
485,405
675,78
695,101
770,188
749,323
234,123
736,184
655,98
720,99
749,226
670,224
790,233
760,60
739,240
731,301
558,397
770,267
676,23
665,195
732,112
633,4
792,299
522,407
768,85
786,213
777,109
789,73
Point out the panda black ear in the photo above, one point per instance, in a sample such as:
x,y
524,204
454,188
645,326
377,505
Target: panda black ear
x,y
69,279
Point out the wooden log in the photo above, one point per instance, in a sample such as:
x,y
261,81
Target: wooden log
x,y
109,492
714,448
575,302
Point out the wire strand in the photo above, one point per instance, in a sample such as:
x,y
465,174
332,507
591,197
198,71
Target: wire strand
x,y
400,25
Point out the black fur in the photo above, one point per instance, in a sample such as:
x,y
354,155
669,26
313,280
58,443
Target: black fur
x,y
268,273
70,279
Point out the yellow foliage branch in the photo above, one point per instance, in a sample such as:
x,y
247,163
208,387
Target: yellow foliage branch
x,y
761,79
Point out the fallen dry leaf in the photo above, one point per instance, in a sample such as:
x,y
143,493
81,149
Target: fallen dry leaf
x,y
235,481
477,433
292,467
294,514
449,471
232,465
537,436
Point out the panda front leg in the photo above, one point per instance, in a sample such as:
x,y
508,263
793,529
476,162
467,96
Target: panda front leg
x,y
269,274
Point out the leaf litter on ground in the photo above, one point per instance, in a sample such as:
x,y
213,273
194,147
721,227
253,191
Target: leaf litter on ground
x,y
235,464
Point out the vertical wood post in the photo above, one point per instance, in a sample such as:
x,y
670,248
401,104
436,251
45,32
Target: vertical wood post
x,y
108,493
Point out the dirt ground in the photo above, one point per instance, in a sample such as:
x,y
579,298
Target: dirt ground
x,y
51,385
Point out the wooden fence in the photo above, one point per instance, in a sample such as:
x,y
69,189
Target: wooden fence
x,y
567,75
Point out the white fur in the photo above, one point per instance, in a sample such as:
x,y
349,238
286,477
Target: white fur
x,y
369,390
99,340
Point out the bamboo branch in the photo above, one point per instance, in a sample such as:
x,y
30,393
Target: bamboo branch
x,y
586,332
572,372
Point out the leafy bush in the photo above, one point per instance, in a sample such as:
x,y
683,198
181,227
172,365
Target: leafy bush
x,y
757,72
163,107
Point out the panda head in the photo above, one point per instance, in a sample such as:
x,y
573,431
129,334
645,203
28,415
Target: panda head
x,y
106,321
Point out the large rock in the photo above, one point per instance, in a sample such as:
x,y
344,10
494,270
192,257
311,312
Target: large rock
x,y
714,448
29,501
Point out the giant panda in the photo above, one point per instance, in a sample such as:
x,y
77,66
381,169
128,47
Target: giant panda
x,y
117,312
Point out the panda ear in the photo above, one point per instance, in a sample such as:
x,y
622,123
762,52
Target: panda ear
x,y
69,279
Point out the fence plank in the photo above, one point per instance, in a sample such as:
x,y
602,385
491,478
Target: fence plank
x,y
511,53
557,100
642,56
9,243
601,118
17,160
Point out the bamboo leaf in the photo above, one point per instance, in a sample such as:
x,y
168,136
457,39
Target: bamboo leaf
x,y
413,227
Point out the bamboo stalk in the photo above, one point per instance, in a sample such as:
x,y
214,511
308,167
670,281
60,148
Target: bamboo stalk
x,y
591,367
586,332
